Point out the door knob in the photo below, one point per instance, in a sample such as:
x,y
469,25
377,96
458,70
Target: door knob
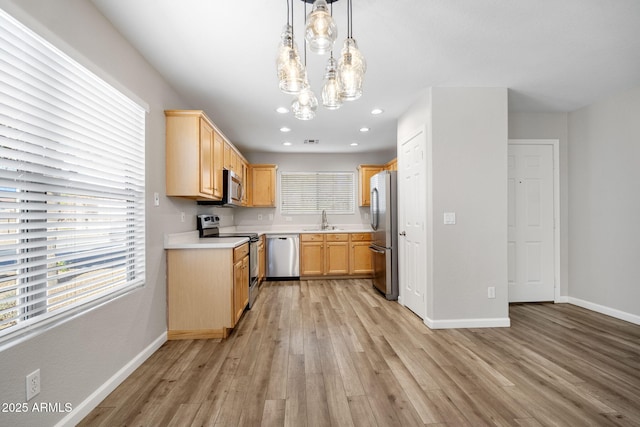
x,y
403,233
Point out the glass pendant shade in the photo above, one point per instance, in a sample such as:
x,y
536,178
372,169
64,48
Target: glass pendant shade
x,y
331,90
304,106
351,69
321,31
292,75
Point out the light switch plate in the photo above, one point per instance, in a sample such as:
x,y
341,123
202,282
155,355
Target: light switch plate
x,y
449,218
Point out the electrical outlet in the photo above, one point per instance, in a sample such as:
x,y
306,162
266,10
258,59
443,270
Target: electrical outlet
x,y
259,217
270,217
491,292
182,217
33,384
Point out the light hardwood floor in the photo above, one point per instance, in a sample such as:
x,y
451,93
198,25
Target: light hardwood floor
x,y
321,353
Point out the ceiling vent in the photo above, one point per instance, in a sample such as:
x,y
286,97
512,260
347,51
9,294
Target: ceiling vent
x,y
312,141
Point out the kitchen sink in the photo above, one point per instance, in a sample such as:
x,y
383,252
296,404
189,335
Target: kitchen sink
x,y
330,228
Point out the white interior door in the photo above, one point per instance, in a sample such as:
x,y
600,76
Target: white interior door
x,y
411,226
531,223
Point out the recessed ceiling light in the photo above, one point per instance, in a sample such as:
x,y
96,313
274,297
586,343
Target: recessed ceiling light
x,y
287,143
354,144
284,129
377,111
364,129
282,110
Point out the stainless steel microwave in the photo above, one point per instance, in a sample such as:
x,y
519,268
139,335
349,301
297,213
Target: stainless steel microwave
x,y
232,191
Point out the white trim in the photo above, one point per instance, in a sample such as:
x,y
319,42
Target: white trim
x,y
94,399
501,322
555,143
608,311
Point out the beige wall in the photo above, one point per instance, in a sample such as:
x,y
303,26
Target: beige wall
x,y
604,205
79,356
467,146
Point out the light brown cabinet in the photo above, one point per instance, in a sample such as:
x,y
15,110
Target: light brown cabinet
x,y
207,291
359,255
335,254
263,185
192,144
311,254
365,172
240,280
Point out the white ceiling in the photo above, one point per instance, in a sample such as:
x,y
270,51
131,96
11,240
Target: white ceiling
x,y
553,55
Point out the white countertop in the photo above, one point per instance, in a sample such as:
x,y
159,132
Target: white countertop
x,y
190,239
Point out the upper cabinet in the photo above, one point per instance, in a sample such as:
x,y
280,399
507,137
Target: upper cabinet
x,y
263,185
193,151
197,153
365,172
392,165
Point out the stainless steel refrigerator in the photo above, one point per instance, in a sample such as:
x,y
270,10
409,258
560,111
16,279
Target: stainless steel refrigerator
x,y
384,222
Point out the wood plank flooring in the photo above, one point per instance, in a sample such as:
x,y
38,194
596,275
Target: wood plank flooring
x,y
335,353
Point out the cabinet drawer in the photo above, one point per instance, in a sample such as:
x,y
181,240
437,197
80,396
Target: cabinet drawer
x,y
360,237
342,237
240,252
311,237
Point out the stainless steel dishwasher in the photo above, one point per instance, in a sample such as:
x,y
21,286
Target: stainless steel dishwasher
x,y
283,256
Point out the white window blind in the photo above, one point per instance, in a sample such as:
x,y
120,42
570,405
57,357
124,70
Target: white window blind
x,y
71,185
313,192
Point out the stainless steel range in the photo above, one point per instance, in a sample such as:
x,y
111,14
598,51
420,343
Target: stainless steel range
x,y
209,226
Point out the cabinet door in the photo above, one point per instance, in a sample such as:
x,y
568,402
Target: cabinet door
x,y
365,174
238,290
218,164
263,186
337,258
311,258
206,158
227,157
360,258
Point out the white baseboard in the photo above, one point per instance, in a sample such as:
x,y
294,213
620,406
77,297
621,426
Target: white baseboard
x,y
628,317
468,323
94,399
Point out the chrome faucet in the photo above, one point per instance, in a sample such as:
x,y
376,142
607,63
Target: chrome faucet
x,y
325,223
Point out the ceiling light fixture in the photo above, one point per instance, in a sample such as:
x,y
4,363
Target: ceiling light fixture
x,y
377,111
364,129
342,79
282,110
284,129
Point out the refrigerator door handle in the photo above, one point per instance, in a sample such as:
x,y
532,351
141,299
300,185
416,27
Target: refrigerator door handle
x,y
374,208
375,249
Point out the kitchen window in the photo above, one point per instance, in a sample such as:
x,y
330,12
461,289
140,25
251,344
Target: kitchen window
x,y
314,192
71,186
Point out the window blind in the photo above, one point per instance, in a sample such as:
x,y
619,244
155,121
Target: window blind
x,y
313,192
72,184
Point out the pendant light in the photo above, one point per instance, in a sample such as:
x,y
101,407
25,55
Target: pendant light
x,y
304,106
331,90
292,75
320,31
342,78
352,65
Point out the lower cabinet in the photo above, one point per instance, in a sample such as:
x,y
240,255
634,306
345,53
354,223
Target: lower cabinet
x,y
240,280
207,291
335,254
360,261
